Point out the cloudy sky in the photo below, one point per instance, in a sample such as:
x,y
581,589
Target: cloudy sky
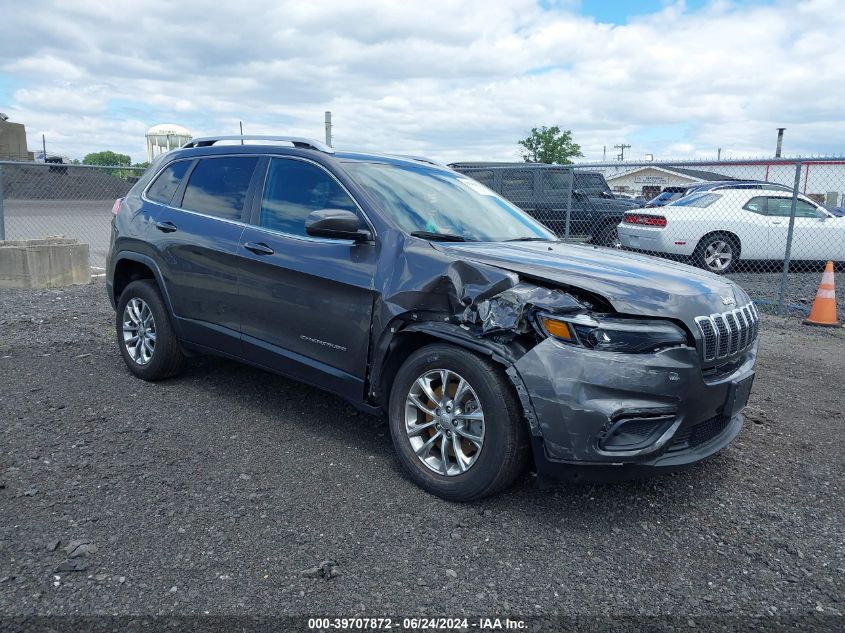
x,y
447,79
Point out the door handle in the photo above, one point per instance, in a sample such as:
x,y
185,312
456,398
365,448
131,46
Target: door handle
x,y
166,227
259,248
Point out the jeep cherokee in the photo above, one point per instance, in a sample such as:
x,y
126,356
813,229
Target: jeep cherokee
x,y
413,291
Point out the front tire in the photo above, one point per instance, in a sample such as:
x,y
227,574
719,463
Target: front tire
x,y
145,335
718,253
456,424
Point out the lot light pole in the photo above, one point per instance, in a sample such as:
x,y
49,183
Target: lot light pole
x,y
780,142
329,128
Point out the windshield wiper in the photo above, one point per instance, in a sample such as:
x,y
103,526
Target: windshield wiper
x,y
442,237
530,239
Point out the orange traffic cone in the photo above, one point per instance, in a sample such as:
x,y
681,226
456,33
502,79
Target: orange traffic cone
x,y
824,307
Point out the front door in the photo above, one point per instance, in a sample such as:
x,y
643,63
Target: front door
x,y
306,302
815,235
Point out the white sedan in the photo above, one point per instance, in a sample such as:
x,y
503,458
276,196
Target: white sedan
x,y
717,229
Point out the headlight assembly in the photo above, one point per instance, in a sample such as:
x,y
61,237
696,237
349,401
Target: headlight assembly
x,y
610,334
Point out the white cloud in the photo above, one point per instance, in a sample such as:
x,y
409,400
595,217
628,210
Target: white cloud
x,y
453,80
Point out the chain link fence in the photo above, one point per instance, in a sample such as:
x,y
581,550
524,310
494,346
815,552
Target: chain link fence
x,y
770,225
40,200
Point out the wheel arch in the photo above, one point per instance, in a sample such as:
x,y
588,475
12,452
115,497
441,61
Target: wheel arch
x,y
130,267
726,232
406,340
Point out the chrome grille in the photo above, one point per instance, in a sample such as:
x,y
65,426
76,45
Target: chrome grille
x,y
728,333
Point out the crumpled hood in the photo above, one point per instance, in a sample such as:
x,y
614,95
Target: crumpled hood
x,y
632,283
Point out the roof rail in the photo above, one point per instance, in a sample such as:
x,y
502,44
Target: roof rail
x,y
296,141
418,159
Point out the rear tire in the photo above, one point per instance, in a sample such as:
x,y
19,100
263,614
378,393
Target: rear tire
x,y
456,458
145,335
609,236
718,252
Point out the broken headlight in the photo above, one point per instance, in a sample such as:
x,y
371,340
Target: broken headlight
x,y
609,334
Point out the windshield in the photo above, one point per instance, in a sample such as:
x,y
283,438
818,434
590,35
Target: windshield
x,y
431,201
700,200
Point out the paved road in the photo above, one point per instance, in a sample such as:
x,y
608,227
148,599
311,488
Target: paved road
x,y
86,220
213,492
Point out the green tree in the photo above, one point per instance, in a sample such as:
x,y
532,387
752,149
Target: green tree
x,y
550,145
107,159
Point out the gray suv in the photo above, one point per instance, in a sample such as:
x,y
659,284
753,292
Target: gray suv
x,y
417,293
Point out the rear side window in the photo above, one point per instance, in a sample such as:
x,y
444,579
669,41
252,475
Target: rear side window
x,y
518,182
168,182
484,176
756,205
218,186
554,180
700,200
294,189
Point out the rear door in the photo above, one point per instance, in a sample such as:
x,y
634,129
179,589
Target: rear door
x,y
306,301
197,241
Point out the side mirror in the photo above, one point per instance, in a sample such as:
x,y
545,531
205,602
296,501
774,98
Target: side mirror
x,y
335,223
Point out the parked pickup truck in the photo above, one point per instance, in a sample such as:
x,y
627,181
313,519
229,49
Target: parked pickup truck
x,y
546,191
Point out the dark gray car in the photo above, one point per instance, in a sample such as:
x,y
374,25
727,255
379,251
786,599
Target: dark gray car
x,y
415,292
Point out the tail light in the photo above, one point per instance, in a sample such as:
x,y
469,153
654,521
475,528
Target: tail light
x,y
116,206
645,220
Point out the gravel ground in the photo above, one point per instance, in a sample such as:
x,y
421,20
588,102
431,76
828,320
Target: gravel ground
x,y
212,492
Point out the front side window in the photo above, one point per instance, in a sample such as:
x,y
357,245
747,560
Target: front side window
x,y
294,189
420,199
783,207
168,182
218,186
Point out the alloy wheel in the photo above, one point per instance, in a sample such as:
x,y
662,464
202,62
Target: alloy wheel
x,y
718,255
139,331
444,422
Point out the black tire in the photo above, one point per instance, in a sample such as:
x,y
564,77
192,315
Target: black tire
x,y
608,236
504,452
167,358
702,252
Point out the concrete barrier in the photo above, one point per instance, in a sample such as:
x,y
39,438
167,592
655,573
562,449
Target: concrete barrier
x,y
48,263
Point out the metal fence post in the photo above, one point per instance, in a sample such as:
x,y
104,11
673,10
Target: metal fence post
x,y
569,201
2,211
788,253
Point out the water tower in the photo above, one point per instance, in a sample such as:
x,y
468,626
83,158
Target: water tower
x,y
165,137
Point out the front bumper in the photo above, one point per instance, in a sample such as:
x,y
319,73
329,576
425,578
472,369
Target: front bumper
x,y
630,413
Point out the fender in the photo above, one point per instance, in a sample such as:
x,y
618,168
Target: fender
x,y
150,263
505,355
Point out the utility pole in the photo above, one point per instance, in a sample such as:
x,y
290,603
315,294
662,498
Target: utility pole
x,y
241,124
44,147
719,154
622,147
329,128
780,142
604,154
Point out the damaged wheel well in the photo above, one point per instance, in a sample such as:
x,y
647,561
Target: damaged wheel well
x,y
406,342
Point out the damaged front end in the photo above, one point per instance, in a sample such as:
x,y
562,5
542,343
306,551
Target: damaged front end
x,y
597,387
